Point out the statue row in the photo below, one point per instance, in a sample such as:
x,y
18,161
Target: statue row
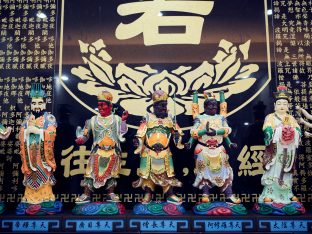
x,y
212,168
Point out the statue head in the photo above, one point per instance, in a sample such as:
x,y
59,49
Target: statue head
x,y
160,104
38,103
210,104
105,105
282,98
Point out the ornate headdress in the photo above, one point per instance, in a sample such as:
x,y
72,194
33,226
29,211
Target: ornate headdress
x,y
159,95
105,96
282,93
209,96
36,91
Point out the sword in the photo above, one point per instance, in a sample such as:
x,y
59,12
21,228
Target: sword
x,y
284,161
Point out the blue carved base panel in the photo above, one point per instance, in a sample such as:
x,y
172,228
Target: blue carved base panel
x,y
100,208
62,223
219,209
285,224
44,208
66,222
162,224
229,224
95,224
294,208
2,207
33,224
158,208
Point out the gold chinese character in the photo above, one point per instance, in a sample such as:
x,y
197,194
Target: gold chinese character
x,y
124,171
81,160
248,168
152,20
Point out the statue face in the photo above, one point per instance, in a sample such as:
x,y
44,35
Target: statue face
x,y
211,107
37,105
105,109
160,109
281,106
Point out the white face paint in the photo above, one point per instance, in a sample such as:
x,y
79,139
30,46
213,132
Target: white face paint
x,y
281,106
37,105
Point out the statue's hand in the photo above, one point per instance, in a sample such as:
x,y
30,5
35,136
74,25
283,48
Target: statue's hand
x,y
301,120
125,115
266,160
25,169
33,130
233,145
80,140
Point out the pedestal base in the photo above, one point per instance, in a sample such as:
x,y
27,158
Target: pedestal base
x,y
158,208
294,208
66,222
219,209
44,208
99,208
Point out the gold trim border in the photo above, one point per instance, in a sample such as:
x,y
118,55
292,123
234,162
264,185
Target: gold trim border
x,y
61,62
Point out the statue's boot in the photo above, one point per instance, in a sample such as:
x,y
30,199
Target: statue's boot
x,y
85,197
205,196
172,198
230,196
147,196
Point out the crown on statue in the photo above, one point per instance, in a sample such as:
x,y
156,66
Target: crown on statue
x,y
209,96
282,93
105,96
159,95
36,91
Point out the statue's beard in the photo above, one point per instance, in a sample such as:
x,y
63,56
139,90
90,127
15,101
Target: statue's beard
x,y
211,111
37,113
161,115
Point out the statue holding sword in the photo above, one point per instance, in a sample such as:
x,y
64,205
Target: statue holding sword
x,y
282,137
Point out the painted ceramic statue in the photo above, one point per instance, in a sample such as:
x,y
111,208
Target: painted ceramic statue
x,y
300,112
4,134
37,136
156,165
282,137
212,168
104,163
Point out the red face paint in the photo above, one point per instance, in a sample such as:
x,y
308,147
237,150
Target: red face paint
x,y
105,109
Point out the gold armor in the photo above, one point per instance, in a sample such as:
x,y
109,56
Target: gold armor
x,y
214,162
